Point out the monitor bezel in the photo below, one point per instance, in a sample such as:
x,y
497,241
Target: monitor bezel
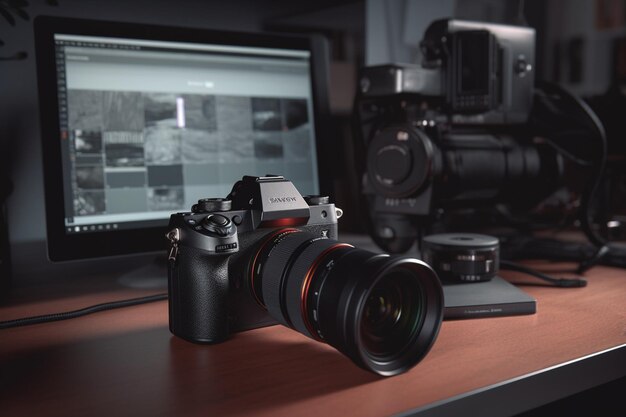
x,y
65,247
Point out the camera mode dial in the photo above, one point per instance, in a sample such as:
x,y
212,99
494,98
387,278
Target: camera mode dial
x,y
316,200
210,205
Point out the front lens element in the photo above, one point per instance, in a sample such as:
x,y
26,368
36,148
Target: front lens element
x,y
391,315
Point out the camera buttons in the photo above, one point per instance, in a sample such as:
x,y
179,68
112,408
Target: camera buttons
x,y
217,220
218,224
521,66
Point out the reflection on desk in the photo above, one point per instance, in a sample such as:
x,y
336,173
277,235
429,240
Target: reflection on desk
x,y
125,361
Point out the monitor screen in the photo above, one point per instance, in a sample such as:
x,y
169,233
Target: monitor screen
x,y
147,125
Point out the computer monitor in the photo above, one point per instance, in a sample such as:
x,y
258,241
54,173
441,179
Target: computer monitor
x,y
140,121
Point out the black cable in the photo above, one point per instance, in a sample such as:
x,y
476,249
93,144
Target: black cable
x,y
590,262
46,318
559,282
591,191
566,153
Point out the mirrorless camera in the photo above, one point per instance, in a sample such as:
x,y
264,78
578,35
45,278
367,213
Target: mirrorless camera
x,y
452,132
267,255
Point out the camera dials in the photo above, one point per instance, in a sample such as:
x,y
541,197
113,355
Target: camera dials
x,y
218,224
214,223
209,205
215,232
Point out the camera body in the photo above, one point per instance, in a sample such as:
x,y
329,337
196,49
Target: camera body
x,y
266,255
452,132
211,249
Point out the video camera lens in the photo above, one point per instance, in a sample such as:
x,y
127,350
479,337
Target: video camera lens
x,y
383,312
399,161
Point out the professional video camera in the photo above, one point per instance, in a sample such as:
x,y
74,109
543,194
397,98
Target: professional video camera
x,y
466,129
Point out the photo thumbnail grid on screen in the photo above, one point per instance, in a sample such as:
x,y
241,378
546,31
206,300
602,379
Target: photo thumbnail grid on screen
x,y
141,147
138,151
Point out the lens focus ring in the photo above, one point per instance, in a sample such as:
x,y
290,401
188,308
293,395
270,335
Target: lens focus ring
x,y
276,271
305,273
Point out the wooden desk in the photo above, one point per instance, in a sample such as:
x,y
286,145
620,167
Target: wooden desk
x,y
126,363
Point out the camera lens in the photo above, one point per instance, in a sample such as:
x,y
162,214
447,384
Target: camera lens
x,y
381,311
399,161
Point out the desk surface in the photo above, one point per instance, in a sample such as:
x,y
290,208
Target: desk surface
x,y
125,362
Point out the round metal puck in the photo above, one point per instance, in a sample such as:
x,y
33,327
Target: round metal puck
x,y
462,257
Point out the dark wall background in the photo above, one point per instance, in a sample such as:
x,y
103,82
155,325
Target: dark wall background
x,y
591,25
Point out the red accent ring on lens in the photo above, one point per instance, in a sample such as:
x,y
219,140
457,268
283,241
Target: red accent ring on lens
x,y
256,256
306,285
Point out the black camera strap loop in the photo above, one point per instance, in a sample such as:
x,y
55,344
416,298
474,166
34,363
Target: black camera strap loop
x,y
174,237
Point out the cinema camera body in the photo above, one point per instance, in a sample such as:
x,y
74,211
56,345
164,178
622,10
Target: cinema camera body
x,y
265,255
452,132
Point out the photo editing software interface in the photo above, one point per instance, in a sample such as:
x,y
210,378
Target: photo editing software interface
x,y
150,127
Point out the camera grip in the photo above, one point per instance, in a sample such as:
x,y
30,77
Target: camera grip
x,y
198,301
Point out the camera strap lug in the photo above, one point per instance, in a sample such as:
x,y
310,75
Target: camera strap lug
x,y
174,237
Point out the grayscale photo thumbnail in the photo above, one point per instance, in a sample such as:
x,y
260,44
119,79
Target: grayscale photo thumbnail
x,y
199,146
267,114
124,149
85,109
89,202
297,144
163,145
87,141
160,109
268,145
165,198
234,118
200,112
296,113
123,111
90,177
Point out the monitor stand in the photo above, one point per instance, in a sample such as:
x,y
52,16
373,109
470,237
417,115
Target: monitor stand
x,y
152,275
